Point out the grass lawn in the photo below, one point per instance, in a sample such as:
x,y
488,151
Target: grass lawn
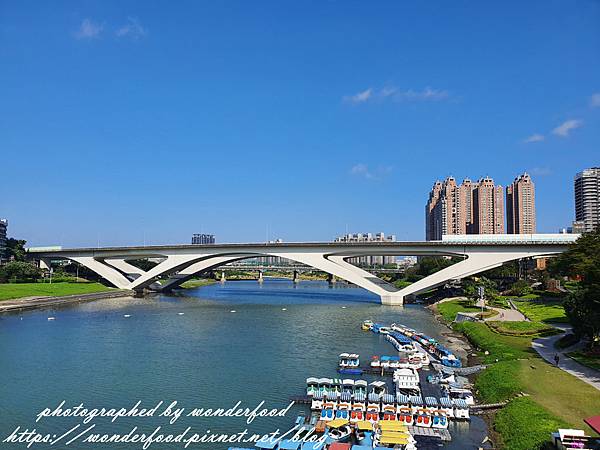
x,y
547,310
562,394
197,283
499,346
449,309
524,425
592,361
555,398
19,290
522,328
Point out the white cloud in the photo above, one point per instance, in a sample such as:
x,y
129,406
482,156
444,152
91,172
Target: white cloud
x,y
361,97
133,29
565,128
395,94
363,170
540,171
426,94
595,100
89,30
534,138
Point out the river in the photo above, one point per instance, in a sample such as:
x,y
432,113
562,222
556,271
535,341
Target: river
x,y
208,347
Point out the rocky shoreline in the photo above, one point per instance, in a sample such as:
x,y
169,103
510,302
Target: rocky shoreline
x,y
460,345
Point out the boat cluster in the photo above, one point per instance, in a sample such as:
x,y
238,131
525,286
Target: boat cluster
x,y
398,334
352,403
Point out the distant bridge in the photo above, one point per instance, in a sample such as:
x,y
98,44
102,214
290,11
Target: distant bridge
x,y
293,268
182,262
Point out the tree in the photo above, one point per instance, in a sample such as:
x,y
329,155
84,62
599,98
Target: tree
x,y
520,288
15,249
20,272
582,306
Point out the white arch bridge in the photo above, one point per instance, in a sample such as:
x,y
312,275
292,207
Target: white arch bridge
x,y
182,262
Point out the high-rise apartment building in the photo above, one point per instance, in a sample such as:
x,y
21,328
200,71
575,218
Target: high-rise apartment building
x,y
488,208
3,231
520,206
466,208
587,198
199,239
370,260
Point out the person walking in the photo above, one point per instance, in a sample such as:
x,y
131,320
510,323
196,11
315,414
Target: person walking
x,y
556,359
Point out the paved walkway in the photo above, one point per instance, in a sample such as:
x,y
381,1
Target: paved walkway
x,y
545,347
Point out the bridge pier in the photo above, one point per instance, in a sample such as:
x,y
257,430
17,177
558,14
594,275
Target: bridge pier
x,y
331,279
296,278
391,300
223,279
260,276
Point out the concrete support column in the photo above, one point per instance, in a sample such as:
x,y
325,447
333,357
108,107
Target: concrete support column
x,y
44,264
296,278
260,276
331,278
223,279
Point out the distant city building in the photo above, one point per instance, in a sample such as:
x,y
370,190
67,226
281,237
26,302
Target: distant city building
x,y
466,208
520,206
587,199
199,239
371,260
3,231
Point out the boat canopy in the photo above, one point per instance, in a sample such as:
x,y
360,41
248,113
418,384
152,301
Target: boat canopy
x,y
353,355
394,438
373,397
446,402
378,384
336,423
339,446
392,426
348,382
416,400
336,381
431,401
346,397
325,380
402,399
388,398
267,443
461,403
364,425
344,355
289,444
360,383
359,397
312,380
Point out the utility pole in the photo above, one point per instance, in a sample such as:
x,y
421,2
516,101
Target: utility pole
x,y
481,292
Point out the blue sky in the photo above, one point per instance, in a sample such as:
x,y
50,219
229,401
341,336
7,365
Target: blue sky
x,y
124,122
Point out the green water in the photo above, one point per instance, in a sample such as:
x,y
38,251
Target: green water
x,y
207,357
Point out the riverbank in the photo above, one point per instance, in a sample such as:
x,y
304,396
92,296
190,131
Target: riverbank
x,y
9,291
552,398
191,284
28,303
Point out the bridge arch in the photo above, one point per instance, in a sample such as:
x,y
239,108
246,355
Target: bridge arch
x,y
182,262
